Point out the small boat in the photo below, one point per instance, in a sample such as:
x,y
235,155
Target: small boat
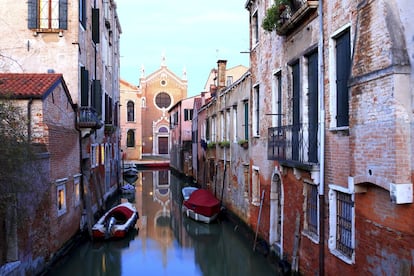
x,y
131,171
116,222
128,188
201,206
187,191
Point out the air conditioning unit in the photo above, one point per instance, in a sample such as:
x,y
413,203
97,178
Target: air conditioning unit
x,y
401,193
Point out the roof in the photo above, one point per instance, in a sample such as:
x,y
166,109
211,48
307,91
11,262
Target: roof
x,y
28,85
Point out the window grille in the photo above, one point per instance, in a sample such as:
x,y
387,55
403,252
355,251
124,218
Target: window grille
x,y
344,224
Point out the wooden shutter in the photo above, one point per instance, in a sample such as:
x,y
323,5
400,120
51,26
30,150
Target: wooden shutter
x,y
63,14
343,67
84,87
313,107
95,25
32,8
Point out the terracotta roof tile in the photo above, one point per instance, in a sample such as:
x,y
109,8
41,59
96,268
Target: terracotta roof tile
x,y
23,85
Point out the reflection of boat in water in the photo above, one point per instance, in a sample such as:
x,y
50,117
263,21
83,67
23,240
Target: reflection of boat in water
x,y
201,230
116,222
187,191
202,206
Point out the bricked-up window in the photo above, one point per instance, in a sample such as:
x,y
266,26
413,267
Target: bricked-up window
x,y
61,196
130,111
163,100
341,223
255,186
47,15
131,138
311,215
256,111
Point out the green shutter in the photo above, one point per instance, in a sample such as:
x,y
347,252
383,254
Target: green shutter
x,y
84,87
95,25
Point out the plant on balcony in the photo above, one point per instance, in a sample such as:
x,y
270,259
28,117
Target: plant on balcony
x,y
243,143
211,145
224,144
274,15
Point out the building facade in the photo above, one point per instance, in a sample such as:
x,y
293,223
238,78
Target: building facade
x,y
160,91
49,192
80,40
131,122
331,106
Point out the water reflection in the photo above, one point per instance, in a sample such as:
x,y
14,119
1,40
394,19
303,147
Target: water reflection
x,y
167,243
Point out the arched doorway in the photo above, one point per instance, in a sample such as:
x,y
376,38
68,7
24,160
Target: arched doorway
x,y
276,204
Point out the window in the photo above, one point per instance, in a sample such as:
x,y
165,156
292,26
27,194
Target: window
x,y
76,189
277,100
131,138
246,120
207,129
255,186
61,196
229,80
144,102
96,98
163,100
313,109
311,215
188,114
234,123
94,155
222,127
213,129
95,26
296,110
343,68
256,112
340,67
82,13
84,76
130,111
341,223
255,28
48,15
227,125
102,153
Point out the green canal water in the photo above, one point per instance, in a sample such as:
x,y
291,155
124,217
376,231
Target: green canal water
x,y
164,242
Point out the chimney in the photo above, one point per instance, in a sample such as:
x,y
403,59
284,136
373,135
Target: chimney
x,y
221,64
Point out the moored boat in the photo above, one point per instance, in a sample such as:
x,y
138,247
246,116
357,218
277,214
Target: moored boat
x,y
116,222
202,206
187,191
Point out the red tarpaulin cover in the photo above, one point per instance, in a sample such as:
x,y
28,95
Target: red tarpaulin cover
x,y
203,202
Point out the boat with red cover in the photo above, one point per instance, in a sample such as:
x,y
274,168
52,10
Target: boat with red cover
x,y
202,206
116,222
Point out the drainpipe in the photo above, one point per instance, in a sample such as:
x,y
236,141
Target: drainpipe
x,y
29,119
322,143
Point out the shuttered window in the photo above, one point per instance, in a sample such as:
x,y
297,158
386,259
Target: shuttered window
x,y
47,15
343,67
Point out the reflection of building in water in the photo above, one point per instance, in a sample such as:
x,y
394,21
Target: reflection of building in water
x,y
155,209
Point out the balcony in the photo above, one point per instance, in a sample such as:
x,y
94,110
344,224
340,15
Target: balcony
x,y
293,16
294,145
89,118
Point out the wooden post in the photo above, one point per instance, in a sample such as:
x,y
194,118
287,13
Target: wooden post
x,y
258,219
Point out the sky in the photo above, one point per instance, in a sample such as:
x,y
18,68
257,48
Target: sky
x,y
192,34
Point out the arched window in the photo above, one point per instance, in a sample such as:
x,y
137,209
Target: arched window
x,y
144,102
163,130
130,111
130,138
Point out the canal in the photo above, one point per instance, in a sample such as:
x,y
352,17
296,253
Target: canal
x,y
165,242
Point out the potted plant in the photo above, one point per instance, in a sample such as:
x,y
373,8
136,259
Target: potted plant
x,y
243,143
211,145
274,19
224,144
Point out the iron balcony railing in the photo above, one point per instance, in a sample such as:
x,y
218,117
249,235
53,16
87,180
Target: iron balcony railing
x,y
89,118
295,14
296,144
